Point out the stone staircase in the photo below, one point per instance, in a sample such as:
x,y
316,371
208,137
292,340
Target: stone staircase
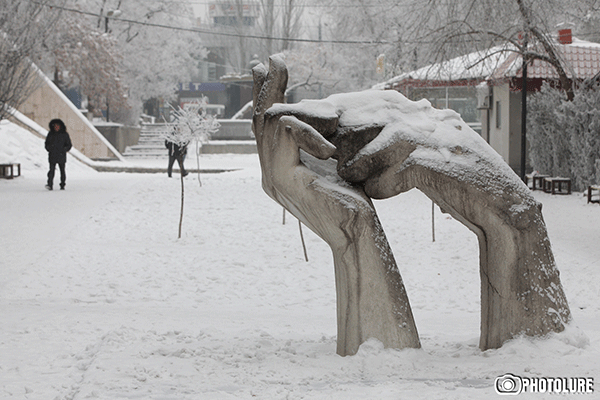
x,y
150,144
234,137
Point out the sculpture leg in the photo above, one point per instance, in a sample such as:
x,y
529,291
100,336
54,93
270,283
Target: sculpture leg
x,y
371,298
521,291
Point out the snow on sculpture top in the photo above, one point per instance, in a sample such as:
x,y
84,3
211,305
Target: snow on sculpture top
x,y
440,136
323,160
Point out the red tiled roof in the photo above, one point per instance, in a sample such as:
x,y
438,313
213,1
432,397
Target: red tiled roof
x,y
581,60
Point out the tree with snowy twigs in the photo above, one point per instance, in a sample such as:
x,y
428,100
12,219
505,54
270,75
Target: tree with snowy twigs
x,y
24,26
191,125
85,57
564,135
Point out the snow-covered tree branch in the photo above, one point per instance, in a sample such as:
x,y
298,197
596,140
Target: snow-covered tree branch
x,y
191,124
24,25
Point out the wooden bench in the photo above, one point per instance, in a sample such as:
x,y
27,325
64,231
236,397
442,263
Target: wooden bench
x,y
7,171
593,194
537,181
555,185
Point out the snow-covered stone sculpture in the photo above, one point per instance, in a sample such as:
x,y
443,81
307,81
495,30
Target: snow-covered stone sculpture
x,y
323,160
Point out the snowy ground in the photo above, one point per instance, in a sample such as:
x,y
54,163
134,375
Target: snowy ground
x,y
100,300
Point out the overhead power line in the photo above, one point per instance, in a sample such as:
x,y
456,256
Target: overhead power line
x,y
304,5
210,32
237,35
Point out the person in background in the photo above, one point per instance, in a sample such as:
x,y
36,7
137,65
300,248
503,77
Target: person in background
x,y
176,152
58,143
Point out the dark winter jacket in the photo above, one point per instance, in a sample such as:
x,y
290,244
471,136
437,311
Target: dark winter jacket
x,y
175,150
58,142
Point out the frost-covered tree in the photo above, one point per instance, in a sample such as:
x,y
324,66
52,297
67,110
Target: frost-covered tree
x,y
86,57
313,67
190,126
543,123
356,33
282,20
564,135
415,33
527,27
152,54
23,27
261,27
156,58
380,23
235,29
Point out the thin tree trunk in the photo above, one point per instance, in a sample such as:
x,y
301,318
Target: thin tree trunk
x,y
302,238
433,221
198,148
181,211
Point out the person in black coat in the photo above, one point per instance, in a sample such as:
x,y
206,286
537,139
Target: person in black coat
x,y
176,152
58,142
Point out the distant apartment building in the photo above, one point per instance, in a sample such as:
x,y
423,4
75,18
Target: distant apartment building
x,y
230,13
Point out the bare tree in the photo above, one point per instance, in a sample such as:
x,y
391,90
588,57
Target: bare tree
x,y
235,20
261,27
123,51
292,11
268,17
525,27
171,54
362,30
89,58
415,33
23,27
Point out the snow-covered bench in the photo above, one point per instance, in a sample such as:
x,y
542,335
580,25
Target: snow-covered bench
x,y
537,180
593,194
7,171
555,185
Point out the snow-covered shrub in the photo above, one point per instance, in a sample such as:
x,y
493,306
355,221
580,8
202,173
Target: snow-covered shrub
x,y
191,124
564,136
543,123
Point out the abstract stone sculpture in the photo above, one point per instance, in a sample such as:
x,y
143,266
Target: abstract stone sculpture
x,y
323,160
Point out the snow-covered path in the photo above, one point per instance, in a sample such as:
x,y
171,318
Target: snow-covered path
x,y
100,300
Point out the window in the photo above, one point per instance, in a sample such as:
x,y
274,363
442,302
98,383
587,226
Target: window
x,y
462,99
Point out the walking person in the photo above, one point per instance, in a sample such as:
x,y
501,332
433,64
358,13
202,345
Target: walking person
x,y
176,152
58,142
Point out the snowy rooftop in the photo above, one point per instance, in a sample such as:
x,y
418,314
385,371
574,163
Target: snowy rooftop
x,y
581,57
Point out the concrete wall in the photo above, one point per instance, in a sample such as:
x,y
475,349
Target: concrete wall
x,y
499,130
48,102
229,147
120,136
505,137
234,129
